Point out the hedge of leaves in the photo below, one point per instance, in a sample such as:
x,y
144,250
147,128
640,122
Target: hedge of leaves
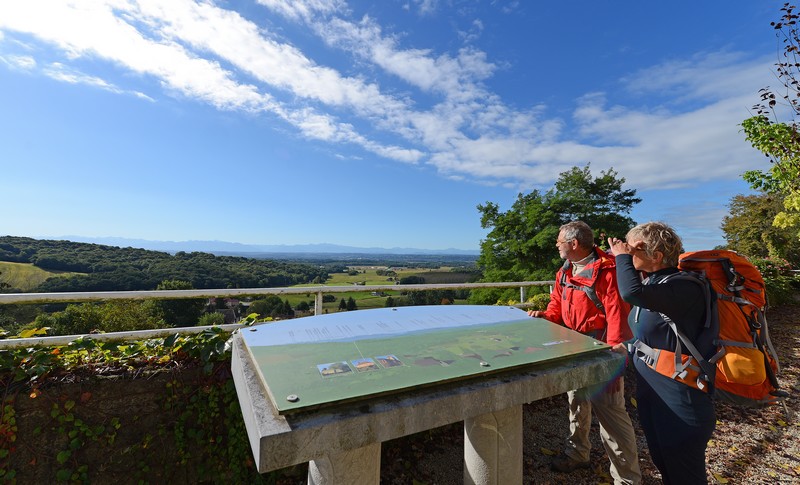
x,y
203,422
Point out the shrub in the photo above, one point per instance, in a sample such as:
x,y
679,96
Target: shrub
x,y
208,319
539,301
781,282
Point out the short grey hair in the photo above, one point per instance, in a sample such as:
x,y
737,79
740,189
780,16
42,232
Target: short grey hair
x,y
579,231
658,236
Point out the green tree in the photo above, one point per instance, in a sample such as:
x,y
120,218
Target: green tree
x,y
303,306
520,245
779,140
342,304
432,297
351,304
287,309
74,320
600,202
208,319
127,315
179,313
781,143
389,302
412,280
748,229
14,317
114,316
270,306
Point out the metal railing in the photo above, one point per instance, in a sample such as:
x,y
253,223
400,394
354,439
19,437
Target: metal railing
x,y
319,291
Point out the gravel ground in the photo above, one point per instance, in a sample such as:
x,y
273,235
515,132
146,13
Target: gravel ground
x,y
748,447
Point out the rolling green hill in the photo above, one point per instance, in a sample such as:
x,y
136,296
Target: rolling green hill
x,y
95,267
26,276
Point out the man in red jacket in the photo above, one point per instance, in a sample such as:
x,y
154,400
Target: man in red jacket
x,y
585,298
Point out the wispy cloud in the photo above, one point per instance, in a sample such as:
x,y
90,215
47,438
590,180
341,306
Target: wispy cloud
x,y
21,63
303,9
59,72
462,129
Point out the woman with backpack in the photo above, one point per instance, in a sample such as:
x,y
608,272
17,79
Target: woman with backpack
x,y
676,411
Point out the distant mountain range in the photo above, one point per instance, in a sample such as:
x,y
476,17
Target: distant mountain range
x,y
224,247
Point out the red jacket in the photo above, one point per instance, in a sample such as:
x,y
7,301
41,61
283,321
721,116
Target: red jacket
x,y
573,308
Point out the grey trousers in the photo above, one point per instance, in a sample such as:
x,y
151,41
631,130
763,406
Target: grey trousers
x,y
616,430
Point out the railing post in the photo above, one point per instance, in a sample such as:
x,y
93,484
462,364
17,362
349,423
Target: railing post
x,y
318,303
522,294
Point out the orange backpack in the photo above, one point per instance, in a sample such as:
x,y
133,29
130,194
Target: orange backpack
x,y
743,370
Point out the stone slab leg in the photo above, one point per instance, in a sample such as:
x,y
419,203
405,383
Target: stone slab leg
x,y
361,466
493,448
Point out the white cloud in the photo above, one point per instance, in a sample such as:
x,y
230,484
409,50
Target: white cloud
x,y
303,9
507,6
23,63
706,76
473,33
115,31
62,73
427,7
464,131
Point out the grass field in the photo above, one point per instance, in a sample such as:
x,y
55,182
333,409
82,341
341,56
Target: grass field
x,y
25,276
368,275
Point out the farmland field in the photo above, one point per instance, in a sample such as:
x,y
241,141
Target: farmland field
x,y
368,275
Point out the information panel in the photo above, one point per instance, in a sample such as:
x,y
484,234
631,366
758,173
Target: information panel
x,y
347,356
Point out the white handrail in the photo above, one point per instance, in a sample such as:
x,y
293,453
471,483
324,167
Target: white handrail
x,y
57,340
75,297
71,297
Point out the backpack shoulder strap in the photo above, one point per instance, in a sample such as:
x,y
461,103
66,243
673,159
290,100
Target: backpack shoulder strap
x,y
708,368
589,290
701,280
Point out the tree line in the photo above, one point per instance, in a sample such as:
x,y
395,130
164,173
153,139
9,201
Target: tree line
x,y
111,268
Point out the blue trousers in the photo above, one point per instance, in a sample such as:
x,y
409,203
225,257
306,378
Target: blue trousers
x,y
678,449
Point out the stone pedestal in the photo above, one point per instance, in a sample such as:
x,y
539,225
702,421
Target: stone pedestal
x,y
493,448
342,442
361,466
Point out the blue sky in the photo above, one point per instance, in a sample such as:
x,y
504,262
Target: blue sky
x,y
369,124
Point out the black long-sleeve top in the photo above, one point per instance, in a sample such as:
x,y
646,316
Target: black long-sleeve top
x,y
684,302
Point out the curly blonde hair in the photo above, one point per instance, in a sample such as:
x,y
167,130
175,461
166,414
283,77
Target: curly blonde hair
x,y
658,236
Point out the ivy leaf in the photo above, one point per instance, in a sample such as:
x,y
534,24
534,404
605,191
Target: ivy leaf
x,y
63,456
32,332
170,341
547,451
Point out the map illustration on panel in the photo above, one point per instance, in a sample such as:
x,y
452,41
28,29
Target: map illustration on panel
x,y
348,356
